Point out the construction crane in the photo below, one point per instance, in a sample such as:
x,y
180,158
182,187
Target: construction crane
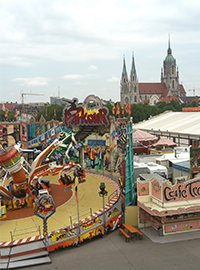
x,y
23,94
194,89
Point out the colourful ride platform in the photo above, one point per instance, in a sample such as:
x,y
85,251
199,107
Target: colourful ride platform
x,y
66,206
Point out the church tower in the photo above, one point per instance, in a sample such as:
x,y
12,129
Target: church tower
x,y
124,84
170,74
134,86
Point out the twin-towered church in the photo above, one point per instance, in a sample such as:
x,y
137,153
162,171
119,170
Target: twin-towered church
x,y
169,88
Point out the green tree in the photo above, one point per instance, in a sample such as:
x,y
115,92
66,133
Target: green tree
x,y
10,117
164,106
193,104
50,112
2,117
109,106
176,105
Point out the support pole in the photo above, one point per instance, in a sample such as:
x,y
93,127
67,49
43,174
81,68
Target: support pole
x,y
79,231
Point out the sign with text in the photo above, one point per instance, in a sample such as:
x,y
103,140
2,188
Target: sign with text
x,y
191,109
90,113
96,142
182,191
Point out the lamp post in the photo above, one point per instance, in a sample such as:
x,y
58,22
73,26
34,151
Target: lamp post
x,y
102,194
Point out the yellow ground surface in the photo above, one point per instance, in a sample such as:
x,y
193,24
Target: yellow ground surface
x,y
88,197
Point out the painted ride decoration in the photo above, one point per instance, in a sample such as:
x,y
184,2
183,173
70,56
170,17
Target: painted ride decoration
x,y
44,208
91,114
24,185
3,212
10,160
27,188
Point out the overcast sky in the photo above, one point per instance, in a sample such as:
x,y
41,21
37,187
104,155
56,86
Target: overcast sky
x,y
76,47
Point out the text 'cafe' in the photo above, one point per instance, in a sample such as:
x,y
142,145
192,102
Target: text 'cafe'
x,y
170,208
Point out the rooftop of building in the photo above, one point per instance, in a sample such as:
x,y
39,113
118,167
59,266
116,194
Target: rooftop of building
x,y
157,88
178,122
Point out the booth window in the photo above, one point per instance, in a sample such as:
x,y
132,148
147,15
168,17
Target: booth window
x,y
183,216
4,130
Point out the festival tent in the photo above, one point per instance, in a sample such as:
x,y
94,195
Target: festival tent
x,y
142,141
143,137
164,142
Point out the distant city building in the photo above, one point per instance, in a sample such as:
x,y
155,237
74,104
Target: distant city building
x,y
134,92
56,100
8,106
190,99
106,102
59,101
30,108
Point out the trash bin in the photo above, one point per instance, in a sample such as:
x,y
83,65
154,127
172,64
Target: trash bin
x,y
160,232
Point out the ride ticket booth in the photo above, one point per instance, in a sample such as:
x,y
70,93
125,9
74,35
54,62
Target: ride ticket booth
x,y
169,208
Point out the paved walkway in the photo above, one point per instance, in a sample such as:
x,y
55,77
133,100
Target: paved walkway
x,y
114,253
154,237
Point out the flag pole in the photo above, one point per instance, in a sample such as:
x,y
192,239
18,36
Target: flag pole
x,y
77,203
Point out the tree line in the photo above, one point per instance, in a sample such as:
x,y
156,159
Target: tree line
x,y
139,112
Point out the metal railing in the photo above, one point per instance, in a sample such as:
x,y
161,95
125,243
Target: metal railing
x,y
82,214
115,193
13,235
28,231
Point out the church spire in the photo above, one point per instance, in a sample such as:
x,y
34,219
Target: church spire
x,y
169,51
124,84
169,58
170,76
133,70
124,68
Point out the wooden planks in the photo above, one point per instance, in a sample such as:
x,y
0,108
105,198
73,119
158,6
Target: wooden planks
x,y
125,234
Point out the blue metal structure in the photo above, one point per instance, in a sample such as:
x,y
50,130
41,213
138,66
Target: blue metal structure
x,y
129,183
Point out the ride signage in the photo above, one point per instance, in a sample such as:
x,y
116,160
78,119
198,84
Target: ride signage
x,y
90,113
182,191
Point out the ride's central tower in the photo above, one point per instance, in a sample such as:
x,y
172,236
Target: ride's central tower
x,y
10,160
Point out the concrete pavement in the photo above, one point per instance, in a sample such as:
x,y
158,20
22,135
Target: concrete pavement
x,y
113,253
153,235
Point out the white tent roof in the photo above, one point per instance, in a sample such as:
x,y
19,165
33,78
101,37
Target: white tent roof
x,y
177,122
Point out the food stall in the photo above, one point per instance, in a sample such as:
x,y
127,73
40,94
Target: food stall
x,y
169,208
